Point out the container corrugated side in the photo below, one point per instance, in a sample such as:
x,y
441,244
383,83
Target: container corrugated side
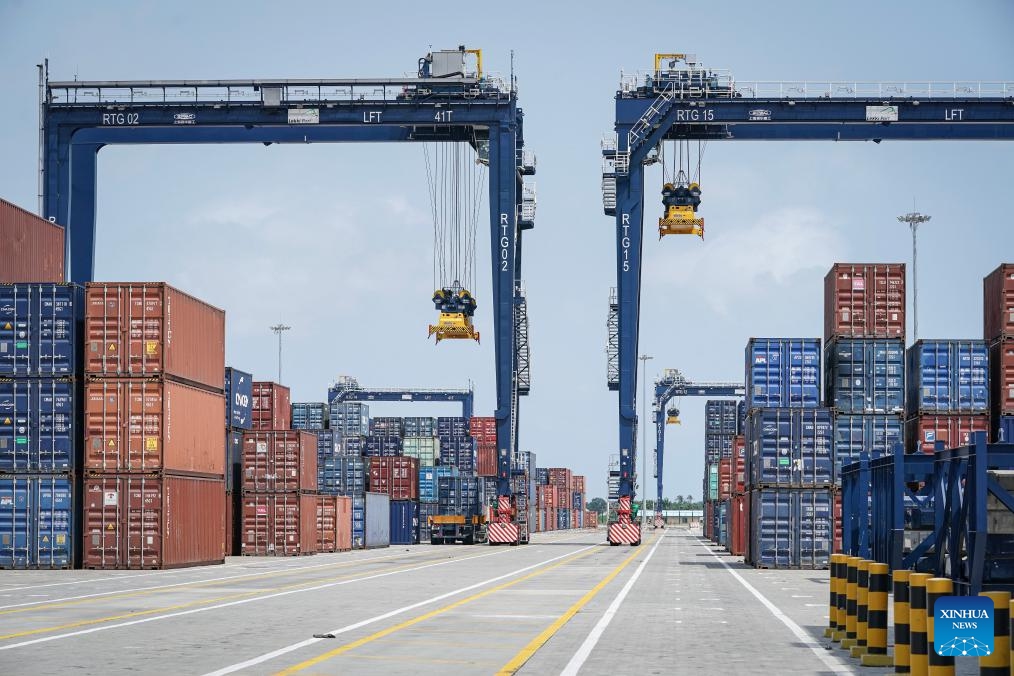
x,y
38,425
791,528
783,373
149,329
138,521
998,303
327,523
238,399
948,377
404,528
377,522
40,330
1001,377
279,460
147,425
38,521
877,435
279,524
865,376
31,248
922,432
272,407
343,539
865,300
791,447
397,477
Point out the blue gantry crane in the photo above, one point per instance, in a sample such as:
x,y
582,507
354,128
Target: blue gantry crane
x,y
348,389
671,385
680,102
447,102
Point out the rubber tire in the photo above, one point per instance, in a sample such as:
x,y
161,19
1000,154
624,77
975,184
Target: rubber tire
x,y
614,544
635,544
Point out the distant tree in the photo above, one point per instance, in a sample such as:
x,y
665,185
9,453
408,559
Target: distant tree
x,y
597,505
649,504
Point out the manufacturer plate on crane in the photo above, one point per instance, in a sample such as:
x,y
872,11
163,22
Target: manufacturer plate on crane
x,y
304,116
881,113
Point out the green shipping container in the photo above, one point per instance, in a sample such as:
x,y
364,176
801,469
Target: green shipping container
x,y
713,482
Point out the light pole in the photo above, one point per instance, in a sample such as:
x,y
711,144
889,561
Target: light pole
x,y
644,417
914,220
278,328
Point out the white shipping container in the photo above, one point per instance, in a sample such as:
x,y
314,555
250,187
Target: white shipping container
x,y
377,527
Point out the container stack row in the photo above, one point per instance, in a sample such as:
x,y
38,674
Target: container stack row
x,y
154,455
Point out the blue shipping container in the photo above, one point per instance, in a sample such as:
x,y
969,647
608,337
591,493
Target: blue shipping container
x,y
38,420
783,373
1005,429
404,522
309,415
948,376
723,522
327,442
39,327
790,447
341,475
874,434
239,399
428,477
458,496
426,510
717,446
562,519
720,416
741,417
542,476
791,528
37,528
233,459
865,376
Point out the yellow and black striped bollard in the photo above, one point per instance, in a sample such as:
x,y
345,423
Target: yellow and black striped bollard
x,y
937,587
997,663
843,562
862,608
832,605
876,632
919,658
851,578
902,634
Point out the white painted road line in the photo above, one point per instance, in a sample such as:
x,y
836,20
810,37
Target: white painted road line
x,y
834,664
241,602
260,659
584,651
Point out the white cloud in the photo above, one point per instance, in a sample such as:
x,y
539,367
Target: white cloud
x,y
735,266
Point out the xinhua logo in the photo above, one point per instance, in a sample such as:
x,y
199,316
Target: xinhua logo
x,y
963,626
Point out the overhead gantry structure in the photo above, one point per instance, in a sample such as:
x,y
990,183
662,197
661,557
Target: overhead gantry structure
x,y
672,385
680,101
349,390
444,103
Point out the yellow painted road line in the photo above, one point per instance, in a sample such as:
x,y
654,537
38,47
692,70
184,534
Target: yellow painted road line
x,y
250,596
422,618
526,653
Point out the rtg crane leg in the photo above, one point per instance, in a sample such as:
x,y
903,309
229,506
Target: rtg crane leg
x,y
624,531
503,527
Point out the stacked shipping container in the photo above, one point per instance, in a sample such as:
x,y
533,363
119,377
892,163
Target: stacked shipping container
x,y
998,331
40,382
238,418
948,393
153,410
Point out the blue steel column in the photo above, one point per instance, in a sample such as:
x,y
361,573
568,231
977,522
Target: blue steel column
x,y
660,404
629,204
80,218
503,219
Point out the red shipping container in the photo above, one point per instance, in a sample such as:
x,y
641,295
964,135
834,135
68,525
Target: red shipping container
x,y
545,496
272,406
279,524
921,432
231,525
486,454
739,465
482,427
134,521
709,519
327,523
739,525
725,478
564,497
135,425
151,329
1001,377
560,477
397,476
836,542
279,460
998,303
865,300
31,248
577,482
343,539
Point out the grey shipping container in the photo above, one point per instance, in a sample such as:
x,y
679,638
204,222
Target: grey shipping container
x,y
371,520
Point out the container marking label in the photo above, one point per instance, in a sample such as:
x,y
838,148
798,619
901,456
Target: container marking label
x,y
110,499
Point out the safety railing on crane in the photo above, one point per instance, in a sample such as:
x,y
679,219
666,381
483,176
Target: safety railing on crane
x,y
275,92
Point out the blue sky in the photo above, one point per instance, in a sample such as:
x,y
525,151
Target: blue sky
x,y
336,240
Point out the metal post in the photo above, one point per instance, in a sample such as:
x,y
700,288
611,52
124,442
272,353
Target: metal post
x,y
278,329
913,219
644,452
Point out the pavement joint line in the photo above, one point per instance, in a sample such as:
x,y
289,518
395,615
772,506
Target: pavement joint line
x,y
308,642
128,593
585,649
835,665
285,591
567,558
